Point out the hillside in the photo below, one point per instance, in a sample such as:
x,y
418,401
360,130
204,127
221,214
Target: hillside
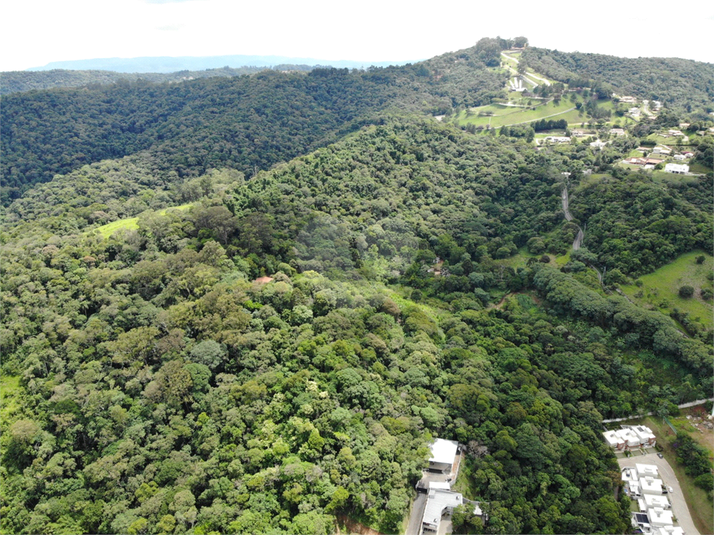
x,y
241,122
678,83
160,386
249,304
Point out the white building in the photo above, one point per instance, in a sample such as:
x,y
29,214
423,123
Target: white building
x,y
597,144
661,150
635,489
617,131
652,500
439,503
650,485
676,168
443,454
668,530
622,439
645,434
646,470
679,157
556,139
659,517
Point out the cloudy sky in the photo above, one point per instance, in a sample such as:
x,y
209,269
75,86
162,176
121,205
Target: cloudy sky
x,y
36,32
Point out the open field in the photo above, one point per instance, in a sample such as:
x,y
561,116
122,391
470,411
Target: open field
x,y
132,223
9,402
660,289
506,115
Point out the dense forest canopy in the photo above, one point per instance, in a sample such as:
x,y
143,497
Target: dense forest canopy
x,y
248,304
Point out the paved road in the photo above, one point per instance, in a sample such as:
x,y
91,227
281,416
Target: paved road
x,y
416,515
679,506
681,406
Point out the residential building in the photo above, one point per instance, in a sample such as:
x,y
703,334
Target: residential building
x,y
679,157
658,517
668,530
662,150
676,168
652,500
646,470
650,485
443,454
647,437
617,131
597,144
556,139
439,503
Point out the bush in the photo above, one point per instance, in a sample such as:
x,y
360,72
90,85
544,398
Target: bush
x,y
686,291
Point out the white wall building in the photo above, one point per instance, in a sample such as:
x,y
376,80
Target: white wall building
x,y
646,470
652,500
676,168
645,434
659,517
443,454
650,485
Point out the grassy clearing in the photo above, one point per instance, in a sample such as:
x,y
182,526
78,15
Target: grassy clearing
x,y
132,223
699,505
10,390
660,290
497,115
699,168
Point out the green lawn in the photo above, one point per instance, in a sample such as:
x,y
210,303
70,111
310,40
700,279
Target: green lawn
x,y
9,398
505,115
132,223
661,289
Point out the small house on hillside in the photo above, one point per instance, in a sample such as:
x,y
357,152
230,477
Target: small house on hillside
x,y
443,454
676,168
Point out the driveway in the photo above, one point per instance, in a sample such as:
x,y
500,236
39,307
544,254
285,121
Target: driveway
x,y
416,514
679,506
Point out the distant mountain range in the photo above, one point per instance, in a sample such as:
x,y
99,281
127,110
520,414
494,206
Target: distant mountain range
x,y
166,64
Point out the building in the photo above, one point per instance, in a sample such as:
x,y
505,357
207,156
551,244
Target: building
x,y
646,470
622,439
680,157
617,132
676,168
556,139
650,485
658,517
438,504
661,150
443,454
635,112
647,437
597,144
652,500
628,100
668,530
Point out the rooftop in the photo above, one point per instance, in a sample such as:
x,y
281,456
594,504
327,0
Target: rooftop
x,y
443,451
437,501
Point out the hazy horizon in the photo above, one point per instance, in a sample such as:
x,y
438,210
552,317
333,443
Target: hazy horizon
x,y
43,32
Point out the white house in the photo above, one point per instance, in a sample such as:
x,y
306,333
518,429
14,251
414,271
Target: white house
x,y
635,112
617,131
650,485
646,470
622,439
652,500
679,157
668,530
635,489
443,454
556,139
662,150
647,437
439,503
659,517
597,144
676,168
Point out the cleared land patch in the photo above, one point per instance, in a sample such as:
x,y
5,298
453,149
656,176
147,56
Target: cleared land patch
x,y
660,289
132,223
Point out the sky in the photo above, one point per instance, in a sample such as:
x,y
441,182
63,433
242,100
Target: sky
x,y
36,32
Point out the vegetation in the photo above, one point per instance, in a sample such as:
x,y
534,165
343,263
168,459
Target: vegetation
x,y
278,351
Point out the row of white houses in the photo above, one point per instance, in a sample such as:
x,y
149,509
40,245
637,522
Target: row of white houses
x,y
630,437
649,491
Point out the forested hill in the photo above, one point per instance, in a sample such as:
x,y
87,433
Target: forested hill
x,y
241,122
679,83
151,381
20,81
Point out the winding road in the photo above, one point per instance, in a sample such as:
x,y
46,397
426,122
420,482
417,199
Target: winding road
x,y
568,216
